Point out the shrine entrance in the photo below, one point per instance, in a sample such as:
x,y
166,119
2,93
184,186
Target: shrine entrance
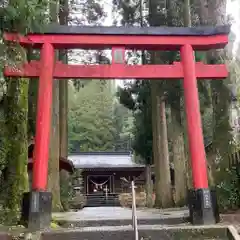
x,y
119,40
99,184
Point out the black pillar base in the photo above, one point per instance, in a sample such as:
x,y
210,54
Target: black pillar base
x,y
37,210
203,208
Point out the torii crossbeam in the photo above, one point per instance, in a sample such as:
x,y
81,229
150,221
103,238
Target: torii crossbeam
x,y
185,40
120,71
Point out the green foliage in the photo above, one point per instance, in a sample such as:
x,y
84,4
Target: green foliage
x,y
54,224
24,16
90,12
123,124
228,190
3,140
66,189
91,123
136,96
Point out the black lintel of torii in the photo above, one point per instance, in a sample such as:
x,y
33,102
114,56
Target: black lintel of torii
x,y
57,29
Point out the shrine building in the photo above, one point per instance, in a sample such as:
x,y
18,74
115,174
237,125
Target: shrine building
x,y
107,170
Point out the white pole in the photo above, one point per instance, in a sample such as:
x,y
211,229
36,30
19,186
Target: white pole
x,y
106,192
134,211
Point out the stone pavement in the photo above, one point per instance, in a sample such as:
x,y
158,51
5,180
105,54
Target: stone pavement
x,y
119,214
146,232
109,223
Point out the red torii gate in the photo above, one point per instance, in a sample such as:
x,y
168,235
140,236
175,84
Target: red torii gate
x,y
187,40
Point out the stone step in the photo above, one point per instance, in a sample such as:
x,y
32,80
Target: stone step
x,y
102,198
145,232
102,195
97,201
124,222
102,203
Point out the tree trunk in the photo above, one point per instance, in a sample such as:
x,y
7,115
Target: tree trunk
x,y
63,88
202,10
165,179
187,13
32,106
217,12
179,160
187,23
149,186
63,115
156,142
16,116
53,165
211,159
220,98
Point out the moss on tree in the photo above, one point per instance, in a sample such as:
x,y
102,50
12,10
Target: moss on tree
x,y
16,142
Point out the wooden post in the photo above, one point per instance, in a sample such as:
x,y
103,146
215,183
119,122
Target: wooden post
x,y
194,124
200,202
43,122
40,207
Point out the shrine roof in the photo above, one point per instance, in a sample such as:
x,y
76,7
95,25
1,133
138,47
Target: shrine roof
x,y
88,160
64,163
144,31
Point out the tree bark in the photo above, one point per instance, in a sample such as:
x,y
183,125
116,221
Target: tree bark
x,y
220,96
179,160
53,165
63,112
156,142
54,154
165,179
179,157
63,88
16,116
149,186
202,9
187,13
16,135
63,115
217,12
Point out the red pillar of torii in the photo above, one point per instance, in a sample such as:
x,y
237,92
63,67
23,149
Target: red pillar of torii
x,y
187,40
